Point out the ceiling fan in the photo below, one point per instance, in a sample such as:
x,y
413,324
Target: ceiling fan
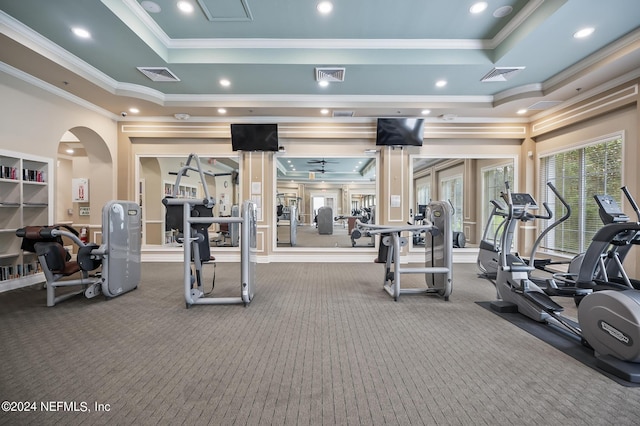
x,y
320,170
323,162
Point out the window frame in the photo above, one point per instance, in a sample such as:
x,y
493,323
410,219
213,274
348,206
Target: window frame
x,y
541,188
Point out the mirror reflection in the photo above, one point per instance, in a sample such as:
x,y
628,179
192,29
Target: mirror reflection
x,y
468,184
320,198
157,179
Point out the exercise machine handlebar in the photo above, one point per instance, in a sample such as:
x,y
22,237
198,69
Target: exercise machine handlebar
x,y
383,229
632,201
555,224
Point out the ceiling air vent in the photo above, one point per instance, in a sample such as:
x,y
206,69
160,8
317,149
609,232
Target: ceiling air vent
x,y
161,74
343,113
543,105
501,74
331,74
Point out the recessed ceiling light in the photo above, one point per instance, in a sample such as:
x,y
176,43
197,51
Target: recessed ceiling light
x,y
323,83
324,111
478,7
81,32
426,112
222,111
325,7
441,83
225,83
69,151
185,6
522,111
585,32
134,110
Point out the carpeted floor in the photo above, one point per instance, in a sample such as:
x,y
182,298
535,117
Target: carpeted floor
x,y
319,344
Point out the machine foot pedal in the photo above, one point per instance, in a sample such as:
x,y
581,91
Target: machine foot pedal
x,y
93,290
544,301
504,307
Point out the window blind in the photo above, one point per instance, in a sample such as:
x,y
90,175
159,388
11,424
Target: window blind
x,y
578,175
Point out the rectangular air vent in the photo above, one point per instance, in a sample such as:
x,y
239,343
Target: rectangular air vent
x,y
501,74
343,113
538,106
161,74
330,74
226,10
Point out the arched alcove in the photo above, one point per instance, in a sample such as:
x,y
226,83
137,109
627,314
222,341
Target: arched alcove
x,y
90,160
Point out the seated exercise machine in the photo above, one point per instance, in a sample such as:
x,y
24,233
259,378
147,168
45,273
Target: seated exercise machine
x,y
118,256
438,252
608,321
367,215
192,218
459,239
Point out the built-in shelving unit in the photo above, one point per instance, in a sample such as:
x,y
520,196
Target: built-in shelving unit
x,y
184,191
25,199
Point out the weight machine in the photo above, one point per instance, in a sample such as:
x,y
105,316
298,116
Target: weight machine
x,y
438,252
118,255
192,218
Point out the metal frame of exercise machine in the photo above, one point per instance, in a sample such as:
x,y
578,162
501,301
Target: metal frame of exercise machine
x,y
438,249
196,214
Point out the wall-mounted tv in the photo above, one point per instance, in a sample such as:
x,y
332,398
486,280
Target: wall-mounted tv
x,y
400,131
254,137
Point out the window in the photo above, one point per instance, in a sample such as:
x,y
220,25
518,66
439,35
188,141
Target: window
x,y
423,190
452,191
493,183
578,175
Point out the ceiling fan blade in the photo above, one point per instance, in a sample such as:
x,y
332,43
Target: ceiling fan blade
x,y
323,161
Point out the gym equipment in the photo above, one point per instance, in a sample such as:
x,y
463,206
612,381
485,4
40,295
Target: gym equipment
x,y
325,220
600,267
489,250
438,252
458,238
293,224
119,254
229,231
368,215
192,218
608,321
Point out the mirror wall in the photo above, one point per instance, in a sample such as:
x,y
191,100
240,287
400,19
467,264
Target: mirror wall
x,y
469,184
156,177
326,194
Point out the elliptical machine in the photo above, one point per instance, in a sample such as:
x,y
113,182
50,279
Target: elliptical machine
x,y
490,247
608,321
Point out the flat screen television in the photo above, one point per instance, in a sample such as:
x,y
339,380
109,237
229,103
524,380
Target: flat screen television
x,y
254,137
400,131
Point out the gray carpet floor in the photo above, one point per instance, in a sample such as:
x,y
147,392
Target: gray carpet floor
x,y
319,344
